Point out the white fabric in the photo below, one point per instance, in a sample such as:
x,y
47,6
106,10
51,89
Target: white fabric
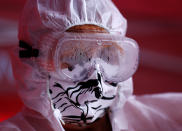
x,y
39,18
43,18
161,112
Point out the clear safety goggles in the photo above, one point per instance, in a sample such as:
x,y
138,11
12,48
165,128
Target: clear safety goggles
x,y
77,55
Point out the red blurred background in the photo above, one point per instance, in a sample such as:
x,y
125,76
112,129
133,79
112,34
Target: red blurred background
x,y
155,25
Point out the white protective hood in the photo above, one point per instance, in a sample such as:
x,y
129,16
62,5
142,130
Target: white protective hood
x,y
43,16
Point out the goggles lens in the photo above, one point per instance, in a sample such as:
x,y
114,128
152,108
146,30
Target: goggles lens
x,y
77,59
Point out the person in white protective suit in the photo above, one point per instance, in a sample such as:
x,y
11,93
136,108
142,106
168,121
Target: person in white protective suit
x,y
76,72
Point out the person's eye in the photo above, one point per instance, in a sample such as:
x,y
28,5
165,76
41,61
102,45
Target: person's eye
x,y
70,68
67,66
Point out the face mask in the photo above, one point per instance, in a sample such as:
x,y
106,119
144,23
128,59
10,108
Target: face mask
x,y
83,72
81,102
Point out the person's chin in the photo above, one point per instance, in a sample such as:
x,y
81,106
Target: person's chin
x,y
77,127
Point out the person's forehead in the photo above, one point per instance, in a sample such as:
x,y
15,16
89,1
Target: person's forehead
x,y
87,28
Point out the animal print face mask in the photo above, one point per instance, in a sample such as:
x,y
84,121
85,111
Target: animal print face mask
x,y
82,102
84,71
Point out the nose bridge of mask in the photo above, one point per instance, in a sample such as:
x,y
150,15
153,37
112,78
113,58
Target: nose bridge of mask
x,y
104,88
96,73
